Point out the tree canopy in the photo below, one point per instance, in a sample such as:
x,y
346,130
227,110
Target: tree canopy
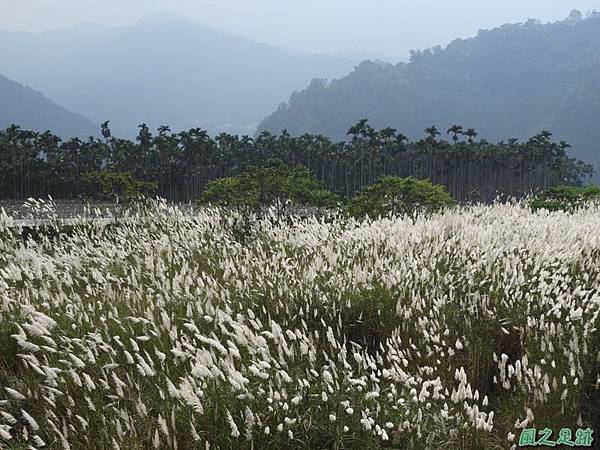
x,y
118,186
565,198
394,195
272,183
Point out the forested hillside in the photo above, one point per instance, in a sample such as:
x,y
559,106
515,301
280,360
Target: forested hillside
x,y
512,81
22,105
162,70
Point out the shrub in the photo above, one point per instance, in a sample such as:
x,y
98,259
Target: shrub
x,y
565,198
394,195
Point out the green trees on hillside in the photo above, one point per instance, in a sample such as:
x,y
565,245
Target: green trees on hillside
x,y
507,81
181,165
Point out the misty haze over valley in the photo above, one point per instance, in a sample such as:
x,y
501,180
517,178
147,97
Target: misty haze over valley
x,y
162,70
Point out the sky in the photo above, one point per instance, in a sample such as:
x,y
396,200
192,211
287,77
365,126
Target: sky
x,y
386,27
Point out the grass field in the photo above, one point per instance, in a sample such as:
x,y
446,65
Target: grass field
x,y
173,330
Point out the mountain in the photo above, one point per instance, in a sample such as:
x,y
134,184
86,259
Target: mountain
x,y
29,109
163,70
512,81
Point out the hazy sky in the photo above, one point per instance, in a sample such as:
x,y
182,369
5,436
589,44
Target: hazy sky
x,y
389,27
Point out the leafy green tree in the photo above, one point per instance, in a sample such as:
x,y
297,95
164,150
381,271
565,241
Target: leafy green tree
x,y
565,198
394,195
228,191
120,186
271,184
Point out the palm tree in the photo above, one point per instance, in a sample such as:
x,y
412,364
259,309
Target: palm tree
x,y
358,129
471,135
163,130
432,132
401,138
455,130
387,135
106,131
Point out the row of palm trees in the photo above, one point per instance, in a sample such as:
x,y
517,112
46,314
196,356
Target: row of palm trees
x,y
40,164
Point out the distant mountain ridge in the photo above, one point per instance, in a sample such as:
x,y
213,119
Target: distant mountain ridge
x,y
20,105
512,81
162,71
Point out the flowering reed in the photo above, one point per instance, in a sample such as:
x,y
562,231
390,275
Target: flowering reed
x,y
166,329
